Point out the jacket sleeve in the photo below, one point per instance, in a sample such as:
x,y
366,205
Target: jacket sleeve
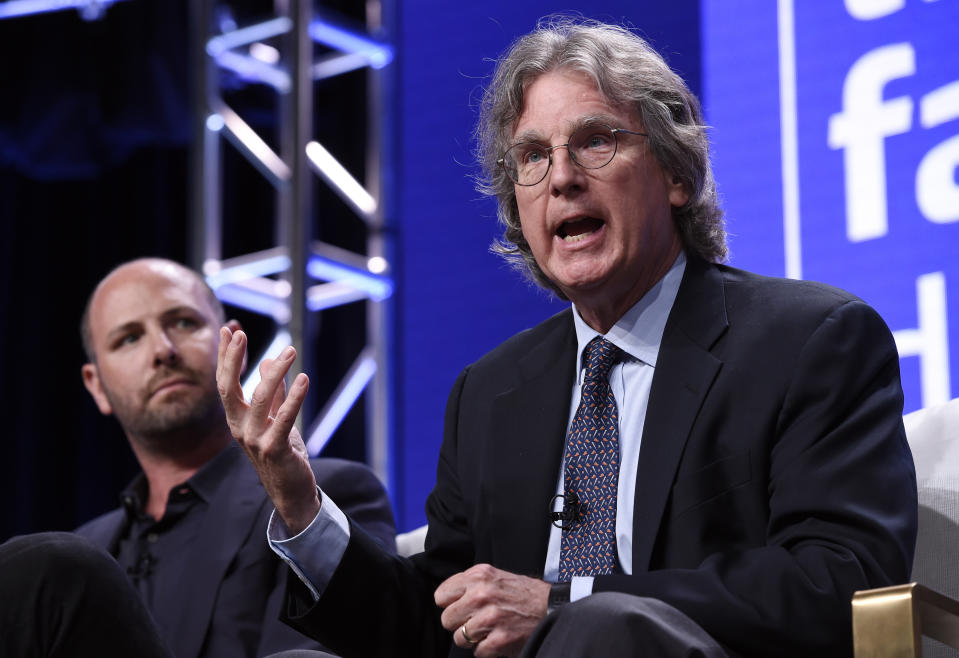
x,y
360,495
379,604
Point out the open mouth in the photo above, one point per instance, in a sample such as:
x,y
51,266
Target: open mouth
x,y
578,229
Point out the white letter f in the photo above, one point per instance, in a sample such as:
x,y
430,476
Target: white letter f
x,y
866,119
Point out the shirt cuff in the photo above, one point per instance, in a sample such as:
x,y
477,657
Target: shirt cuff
x,y
580,587
316,552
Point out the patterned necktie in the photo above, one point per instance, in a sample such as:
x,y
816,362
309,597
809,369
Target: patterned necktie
x,y
591,470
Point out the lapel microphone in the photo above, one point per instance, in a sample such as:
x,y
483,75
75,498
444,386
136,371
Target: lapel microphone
x,y
142,568
570,513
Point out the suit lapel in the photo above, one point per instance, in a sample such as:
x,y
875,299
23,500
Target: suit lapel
x,y
528,431
233,509
685,371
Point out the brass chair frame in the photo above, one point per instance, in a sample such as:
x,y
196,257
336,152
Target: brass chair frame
x,y
890,621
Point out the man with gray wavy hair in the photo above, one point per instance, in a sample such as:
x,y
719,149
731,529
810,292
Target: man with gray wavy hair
x,y
628,73
691,460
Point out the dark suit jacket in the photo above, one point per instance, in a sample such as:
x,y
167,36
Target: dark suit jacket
x,y
232,582
774,476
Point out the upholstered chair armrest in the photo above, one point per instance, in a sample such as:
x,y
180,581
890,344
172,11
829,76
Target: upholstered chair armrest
x,y
412,542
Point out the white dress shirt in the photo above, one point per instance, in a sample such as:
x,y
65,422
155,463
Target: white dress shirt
x,y
638,334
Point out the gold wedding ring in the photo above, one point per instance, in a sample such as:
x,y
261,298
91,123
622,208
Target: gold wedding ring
x,y
470,641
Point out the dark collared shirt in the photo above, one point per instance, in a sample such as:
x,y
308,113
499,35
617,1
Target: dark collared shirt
x,y
205,571
152,552
164,560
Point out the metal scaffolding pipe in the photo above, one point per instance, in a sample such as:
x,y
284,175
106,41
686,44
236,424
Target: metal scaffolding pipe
x,y
346,277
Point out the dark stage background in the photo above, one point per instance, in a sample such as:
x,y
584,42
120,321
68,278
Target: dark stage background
x,y
94,171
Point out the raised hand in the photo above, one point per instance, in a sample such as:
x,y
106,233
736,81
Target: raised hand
x,y
265,428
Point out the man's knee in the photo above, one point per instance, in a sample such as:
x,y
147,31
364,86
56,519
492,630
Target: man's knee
x,y
65,596
606,607
614,624
51,548
60,557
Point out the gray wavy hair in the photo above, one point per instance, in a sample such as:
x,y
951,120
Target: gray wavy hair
x,y
627,72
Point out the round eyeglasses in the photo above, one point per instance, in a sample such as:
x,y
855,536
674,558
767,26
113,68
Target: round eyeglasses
x,y
590,147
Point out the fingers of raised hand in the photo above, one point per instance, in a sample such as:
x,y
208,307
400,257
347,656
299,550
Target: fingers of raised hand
x,y
229,362
279,396
272,372
285,414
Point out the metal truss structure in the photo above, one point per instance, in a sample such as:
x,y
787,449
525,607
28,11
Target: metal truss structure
x,y
89,9
299,275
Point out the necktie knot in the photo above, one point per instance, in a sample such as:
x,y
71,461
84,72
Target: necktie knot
x,y
600,355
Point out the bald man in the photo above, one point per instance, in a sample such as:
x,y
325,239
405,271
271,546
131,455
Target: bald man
x,y
190,532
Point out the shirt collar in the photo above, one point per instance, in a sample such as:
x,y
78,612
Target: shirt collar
x,y
204,482
639,332
215,472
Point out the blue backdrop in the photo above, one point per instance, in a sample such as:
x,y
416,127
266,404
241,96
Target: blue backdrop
x,y
835,131
836,145
456,300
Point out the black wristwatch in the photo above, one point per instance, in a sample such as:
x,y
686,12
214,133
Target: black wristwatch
x,y
558,596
